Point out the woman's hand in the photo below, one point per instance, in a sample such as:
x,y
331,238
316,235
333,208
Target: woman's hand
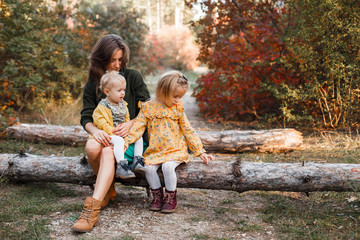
x,y
206,158
123,129
102,137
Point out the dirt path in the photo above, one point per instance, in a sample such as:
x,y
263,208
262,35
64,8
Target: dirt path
x,y
201,214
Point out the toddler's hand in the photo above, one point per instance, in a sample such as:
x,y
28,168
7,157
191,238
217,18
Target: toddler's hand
x,y
206,158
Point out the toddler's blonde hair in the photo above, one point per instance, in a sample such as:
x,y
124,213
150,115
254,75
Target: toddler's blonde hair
x,y
107,79
168,83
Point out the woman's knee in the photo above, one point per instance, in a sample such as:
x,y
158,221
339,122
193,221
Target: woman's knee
x,y
93,148
107,154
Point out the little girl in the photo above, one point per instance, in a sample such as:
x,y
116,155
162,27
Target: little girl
x,y
169,135
112,111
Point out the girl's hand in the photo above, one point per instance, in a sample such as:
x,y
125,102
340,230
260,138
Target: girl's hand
x,y
206,158
102,137
123,129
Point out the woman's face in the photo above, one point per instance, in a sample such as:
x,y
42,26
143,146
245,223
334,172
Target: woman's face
x,y
115,61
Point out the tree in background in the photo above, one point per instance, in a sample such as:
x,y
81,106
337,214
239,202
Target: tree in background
x,y
36,64
96,20
324,51
44,48
241,43
295,61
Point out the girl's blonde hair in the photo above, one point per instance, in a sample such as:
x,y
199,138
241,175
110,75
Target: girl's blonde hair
x,y
107,79
168,83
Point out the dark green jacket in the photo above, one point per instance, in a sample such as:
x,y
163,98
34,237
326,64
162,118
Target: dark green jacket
x,y
136,90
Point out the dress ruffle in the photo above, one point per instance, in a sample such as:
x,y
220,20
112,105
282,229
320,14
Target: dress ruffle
x,y
153,109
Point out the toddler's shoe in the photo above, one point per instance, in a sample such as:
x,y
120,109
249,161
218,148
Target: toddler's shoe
x,y
123,170
138,166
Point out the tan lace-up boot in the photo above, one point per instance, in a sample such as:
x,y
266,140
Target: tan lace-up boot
x,y
89,216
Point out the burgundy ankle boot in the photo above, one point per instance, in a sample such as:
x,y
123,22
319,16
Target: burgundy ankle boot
x,y
157,201
169,203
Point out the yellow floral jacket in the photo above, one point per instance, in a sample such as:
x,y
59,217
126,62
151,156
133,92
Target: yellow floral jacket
x,y
103,118
169,130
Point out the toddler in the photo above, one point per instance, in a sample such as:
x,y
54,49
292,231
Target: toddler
x,y
170,133
112,111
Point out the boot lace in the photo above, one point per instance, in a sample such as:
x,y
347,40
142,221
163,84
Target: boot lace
x,y
85,214
157,197
125,167
168,198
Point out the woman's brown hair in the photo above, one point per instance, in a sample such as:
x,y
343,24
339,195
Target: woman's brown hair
x,y
101,56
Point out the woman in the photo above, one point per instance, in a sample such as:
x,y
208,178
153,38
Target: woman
x,y
109,54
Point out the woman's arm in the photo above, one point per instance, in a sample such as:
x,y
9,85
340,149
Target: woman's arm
x,y
89,105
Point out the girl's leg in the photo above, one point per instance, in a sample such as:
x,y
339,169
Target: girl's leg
x,y
118,143
154,181
152,176
170,178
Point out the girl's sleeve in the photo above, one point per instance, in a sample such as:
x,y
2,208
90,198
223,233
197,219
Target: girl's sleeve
x,y
137,129
192,139
100,121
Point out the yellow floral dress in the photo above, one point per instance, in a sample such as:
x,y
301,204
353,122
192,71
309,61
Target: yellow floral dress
x,y
169,131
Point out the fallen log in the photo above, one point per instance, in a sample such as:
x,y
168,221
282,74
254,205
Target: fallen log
x,y
275,140
238,175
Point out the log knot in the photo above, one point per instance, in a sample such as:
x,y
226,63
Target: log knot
x,y
237,167
306,179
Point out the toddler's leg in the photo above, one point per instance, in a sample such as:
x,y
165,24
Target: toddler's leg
x,y
118,143
138,164
123,170
138,147
154,181
170,178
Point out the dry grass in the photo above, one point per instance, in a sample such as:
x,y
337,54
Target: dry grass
x,y
52,113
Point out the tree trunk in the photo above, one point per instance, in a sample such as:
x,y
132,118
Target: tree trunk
x,y
275,140
237,175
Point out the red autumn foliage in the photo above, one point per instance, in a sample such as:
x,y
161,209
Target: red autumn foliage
x,y
241,43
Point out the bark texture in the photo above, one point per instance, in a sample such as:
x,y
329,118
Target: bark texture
x,y
275,140
237,175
